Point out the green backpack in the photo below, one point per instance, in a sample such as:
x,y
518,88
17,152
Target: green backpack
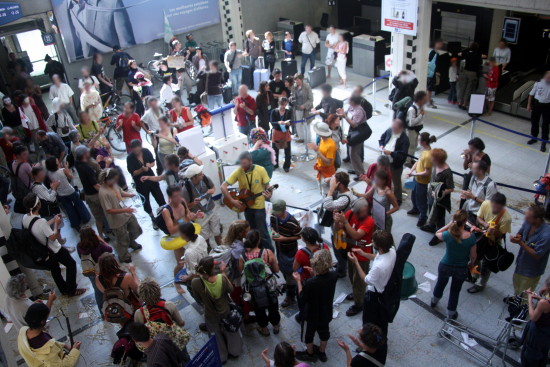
x,y
257,275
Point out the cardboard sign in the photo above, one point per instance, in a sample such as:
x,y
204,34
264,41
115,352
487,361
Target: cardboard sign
x,y
176,62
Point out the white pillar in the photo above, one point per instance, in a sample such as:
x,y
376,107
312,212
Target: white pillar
x,y
232,21
496,29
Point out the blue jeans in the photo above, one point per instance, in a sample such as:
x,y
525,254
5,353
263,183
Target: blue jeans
x,y
311,58
236,77
97,293
245,129
76,210
214,101
458,275
452,92
256,218
420,200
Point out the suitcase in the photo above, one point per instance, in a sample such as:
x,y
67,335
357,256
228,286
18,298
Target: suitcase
x,y
246,76
289,67
317,76
260,75
227,94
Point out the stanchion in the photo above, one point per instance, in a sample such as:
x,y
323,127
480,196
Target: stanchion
x,y
375,112
306,157
547,165
472,128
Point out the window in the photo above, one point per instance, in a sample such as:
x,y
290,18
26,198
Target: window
x,y
31,42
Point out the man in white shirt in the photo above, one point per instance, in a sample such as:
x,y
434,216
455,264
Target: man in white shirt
x,y
414,123
65,94
480,188
42,231
539,105
502,54
309,41
5,233
87,78
377,278
330,44
166,91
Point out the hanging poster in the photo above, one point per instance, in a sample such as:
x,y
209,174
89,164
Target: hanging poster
x,y
400,16
96,25
9,12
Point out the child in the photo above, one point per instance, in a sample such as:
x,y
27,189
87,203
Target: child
x,y
284,356
453,76
170,175
414,119
492,84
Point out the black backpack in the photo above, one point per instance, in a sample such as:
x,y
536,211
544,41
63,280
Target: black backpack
x,y
18,188
159,220
47,208
187,184
25,245
123,60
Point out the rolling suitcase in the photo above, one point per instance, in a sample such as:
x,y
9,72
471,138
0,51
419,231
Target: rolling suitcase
x,y
247,76
227,93
261,74
289,67
317,76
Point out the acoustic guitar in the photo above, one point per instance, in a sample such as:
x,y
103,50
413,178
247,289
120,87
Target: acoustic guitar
x,y
245,196
341,242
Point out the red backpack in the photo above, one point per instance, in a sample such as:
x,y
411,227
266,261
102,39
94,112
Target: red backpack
x,y
158,313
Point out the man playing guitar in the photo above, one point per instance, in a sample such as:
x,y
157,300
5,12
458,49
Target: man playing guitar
x,y
255,179
359,227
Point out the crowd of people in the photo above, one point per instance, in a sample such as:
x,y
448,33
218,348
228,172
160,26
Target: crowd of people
x,y
232,277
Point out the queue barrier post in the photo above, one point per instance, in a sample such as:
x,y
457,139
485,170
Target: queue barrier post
x,y
547,165
375,112
472,128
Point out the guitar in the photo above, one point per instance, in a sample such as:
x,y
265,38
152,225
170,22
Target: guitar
x,y
341,242
245,196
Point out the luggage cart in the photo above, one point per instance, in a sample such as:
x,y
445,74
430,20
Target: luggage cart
x,y
489,349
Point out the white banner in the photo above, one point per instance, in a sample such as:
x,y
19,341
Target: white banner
x,y
400,16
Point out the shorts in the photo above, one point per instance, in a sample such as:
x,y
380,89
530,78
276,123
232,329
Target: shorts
x,y
330,59
95,207
315,327
431,84
491,93
210,226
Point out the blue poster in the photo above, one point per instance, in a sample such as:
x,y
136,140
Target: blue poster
x,y
9,12
208,356
88,26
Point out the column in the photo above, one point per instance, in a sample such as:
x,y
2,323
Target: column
x,y
232,21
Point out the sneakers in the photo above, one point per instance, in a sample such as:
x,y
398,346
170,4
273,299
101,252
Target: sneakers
x,y
351,172
304,356
428,228
433,302
413,212
202,327
434,241
155,227
543,147
475,289
321,355
136,246
421,223
353,310
531,141
349,297
452,315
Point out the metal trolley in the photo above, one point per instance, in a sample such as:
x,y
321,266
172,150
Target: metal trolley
x,y
489,349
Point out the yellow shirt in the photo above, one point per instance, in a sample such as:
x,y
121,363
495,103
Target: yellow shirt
x,y
485,213
254,180
328,149
424,163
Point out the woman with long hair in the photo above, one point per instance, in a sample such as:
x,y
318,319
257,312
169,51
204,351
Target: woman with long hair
x,y
262,152
166,136
91,247
383,194
110,273
461,252
200,60
283,356
268,46
265,102
211,290
252,250
342,49
421,171
280,134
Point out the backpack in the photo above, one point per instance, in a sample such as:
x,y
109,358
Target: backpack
x,y
432,64
407,122
157,313
159,220
47,208
123,60
187,184
116,307
487,182
18,188
28,245
368,108
223,253
257,275
310,253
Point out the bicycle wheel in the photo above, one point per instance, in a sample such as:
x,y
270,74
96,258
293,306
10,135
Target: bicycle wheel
x,y
115,139
191,70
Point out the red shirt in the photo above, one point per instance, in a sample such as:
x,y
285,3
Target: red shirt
x,y
241,115
492,77
184,115
7,147
128,131
302,258
367,225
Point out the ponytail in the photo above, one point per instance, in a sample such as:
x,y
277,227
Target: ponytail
x,y
252,239
310,236
460,217
425,137
235,230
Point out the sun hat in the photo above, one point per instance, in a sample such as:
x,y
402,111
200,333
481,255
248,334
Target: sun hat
x,y
193,170
322,129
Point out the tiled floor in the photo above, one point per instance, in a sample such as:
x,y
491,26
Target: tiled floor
x,y
413,337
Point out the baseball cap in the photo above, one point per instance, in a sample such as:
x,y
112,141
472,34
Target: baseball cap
x,y
279,206
193,170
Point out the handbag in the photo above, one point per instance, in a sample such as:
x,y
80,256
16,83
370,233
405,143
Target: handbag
x,y
498,257
174,332
204,95
359,134
325,217
280,139
232,321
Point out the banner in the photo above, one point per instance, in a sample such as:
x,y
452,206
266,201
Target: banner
x,y
400,16
9,12
208,356
97,25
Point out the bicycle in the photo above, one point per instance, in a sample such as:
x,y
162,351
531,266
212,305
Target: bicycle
x,y
153,66
114,105
114,136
